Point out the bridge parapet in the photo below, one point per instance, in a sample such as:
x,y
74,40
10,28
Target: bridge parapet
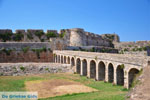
x,y
121,58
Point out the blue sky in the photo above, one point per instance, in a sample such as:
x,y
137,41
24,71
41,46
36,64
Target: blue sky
x,y
130,19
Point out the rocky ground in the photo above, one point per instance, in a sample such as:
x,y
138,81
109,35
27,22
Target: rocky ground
x,y
142,90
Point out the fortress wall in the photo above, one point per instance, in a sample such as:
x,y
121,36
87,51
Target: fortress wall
x,y
20,56
20,45
132,44
78,37
72,37
28,35
17,54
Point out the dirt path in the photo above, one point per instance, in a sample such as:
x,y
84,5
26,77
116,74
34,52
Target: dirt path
x,y
57,87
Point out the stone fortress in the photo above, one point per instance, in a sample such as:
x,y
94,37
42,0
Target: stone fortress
x,y
102,57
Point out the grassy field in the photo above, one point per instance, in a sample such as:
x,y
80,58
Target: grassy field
x,y
105,90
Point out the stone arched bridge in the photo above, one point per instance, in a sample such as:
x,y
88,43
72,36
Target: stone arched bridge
x,y
120,69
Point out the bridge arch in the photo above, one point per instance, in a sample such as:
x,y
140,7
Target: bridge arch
x,y
120,75
78,65
58,58
101,71
72,61
131,75
64,59
84,67
61,59
110,73
92,69
68,60
55,58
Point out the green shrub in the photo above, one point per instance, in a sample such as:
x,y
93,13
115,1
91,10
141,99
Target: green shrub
x,y
129,45
38,51
22,68
18,37
62,34
92,50
39,34
26,49
125,49
7,51
121,52
96,58
51,34
6,36
49,49
145,48
139,49
29,35
42,40
122,66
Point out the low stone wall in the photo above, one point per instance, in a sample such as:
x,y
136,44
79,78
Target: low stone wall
x,y
13,69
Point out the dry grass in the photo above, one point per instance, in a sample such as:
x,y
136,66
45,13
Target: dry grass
x,y
57,87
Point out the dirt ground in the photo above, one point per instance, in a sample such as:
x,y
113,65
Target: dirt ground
x,y
56,87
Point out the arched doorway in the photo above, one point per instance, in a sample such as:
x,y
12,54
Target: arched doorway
x,y
55,58
101,71
132,74
65,59
62,59
110,73
58,58
120,75
72,62
68,60
84,67
78,66
92,69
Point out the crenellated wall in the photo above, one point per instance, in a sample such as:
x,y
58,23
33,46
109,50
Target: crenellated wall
x,y
29,35
69,37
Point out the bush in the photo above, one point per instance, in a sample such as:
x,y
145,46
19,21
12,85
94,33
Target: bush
x,y
18,37
39,34
51,34
49,49
22,68
26,49
7,51
125,49
62,34
6,36
29,35
38,51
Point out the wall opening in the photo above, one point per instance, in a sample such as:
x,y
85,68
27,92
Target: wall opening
x,y
120,75
101,71
58,58
84,68
55,58
78,66
132,75
65,59
148,63
92,69
72,62
110,73
68,60
62,59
